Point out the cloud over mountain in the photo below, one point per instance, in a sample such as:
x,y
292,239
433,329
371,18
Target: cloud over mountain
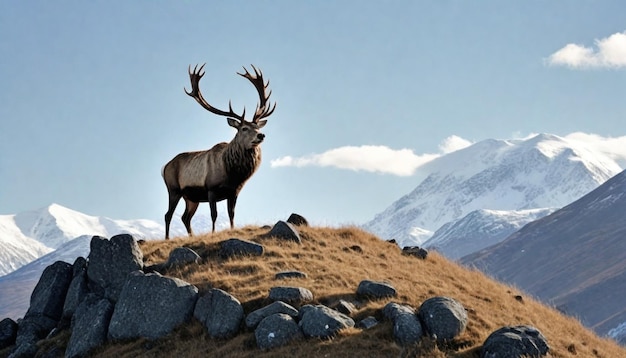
x,y
405,162
609,52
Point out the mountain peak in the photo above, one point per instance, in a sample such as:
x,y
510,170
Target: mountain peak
x,y
542,171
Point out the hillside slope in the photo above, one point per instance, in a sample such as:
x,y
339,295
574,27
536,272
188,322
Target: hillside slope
x,y
336,260
577,255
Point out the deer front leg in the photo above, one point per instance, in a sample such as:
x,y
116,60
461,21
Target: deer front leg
x,y
230,203
213,206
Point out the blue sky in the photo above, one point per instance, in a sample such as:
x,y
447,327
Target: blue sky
x,y
92,102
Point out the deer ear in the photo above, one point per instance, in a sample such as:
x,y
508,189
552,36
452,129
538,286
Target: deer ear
x,y
233,122
262,123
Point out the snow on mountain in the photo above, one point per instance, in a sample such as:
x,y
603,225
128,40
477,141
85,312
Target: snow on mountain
x,y
480,229
545,171
26,236
17,286
619,333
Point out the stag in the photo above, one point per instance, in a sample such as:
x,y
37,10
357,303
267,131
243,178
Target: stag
x,y
220,172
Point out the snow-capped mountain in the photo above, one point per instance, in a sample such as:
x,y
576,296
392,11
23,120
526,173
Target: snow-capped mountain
x,y
545,171
27,236
31,241
16,287
480,229
574,258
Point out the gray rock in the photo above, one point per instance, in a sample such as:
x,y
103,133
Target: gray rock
x,y
514,342
345,307
220,313
297,220
374,289
322,322
26,350
392,309
277,330
292,295
151,306
255,317
237,247
77,290
181,256
415,251
48,296
367,322
289,274
285,231
90,324
46,308
443,318
407,328
110,262
8,332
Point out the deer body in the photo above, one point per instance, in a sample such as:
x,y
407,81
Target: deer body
x,y
218,173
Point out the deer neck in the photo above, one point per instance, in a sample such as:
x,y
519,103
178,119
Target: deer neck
x,y
240,163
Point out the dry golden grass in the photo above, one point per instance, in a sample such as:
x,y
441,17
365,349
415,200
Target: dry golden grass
x,y
336,260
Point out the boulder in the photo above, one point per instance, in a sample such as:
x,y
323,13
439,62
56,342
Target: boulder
x,y
289,274
181,256
277,330
8,332
151,306
220,313
49,294
292,295
284,231
443,318
415,251
345,307
407,328
322,322
77,290
237,247
46,308
297,220
367,322
255,317
375,290
514,342
90,324
110,262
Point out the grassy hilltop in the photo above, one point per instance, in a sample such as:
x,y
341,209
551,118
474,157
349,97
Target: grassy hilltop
x,y
336,260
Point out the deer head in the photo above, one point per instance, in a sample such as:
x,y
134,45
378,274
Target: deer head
x,y
248,132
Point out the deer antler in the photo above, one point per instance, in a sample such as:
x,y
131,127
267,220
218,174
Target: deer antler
x,y
263,109
195,77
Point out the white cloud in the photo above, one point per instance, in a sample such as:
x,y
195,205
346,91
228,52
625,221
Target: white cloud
x,y
610,52
453,143
371,158
614,147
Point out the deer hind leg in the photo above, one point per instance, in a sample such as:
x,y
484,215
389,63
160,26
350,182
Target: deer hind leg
x,y
213,206
231,202
190,210
174,197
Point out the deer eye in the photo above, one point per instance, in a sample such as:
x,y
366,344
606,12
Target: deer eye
x,y
244,129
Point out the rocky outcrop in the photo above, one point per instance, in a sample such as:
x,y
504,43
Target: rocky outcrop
x,y
110,261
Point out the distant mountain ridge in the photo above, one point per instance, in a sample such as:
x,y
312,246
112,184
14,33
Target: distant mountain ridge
x,y
480,229
574,258
27,236
545,171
